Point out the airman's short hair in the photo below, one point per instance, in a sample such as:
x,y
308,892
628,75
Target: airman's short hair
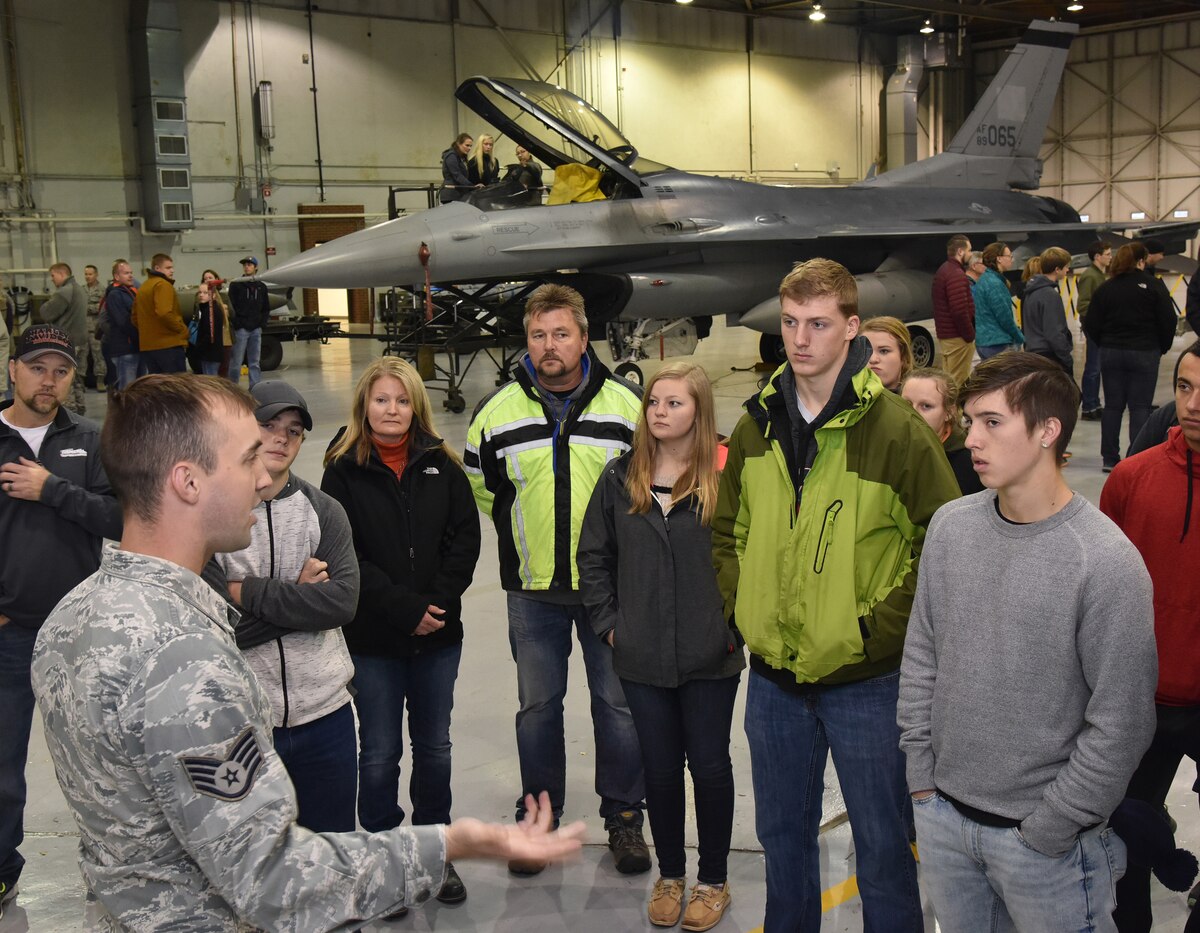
x,y
158,421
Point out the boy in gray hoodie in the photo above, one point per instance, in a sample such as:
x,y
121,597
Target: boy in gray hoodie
x,y
295,586
1027,685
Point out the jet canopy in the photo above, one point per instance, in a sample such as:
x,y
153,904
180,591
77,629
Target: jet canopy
x,y
555,125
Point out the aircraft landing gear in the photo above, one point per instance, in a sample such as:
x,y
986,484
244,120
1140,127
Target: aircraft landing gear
x,y
630,372
923,347
771,350
670,338
454,401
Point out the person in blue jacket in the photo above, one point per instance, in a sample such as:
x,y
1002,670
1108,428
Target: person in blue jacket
x,y
996,329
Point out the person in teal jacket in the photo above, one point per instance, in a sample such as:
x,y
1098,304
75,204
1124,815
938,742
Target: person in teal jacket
x,y
829,485
996,329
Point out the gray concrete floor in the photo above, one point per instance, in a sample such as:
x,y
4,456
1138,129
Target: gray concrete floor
x,y
588,895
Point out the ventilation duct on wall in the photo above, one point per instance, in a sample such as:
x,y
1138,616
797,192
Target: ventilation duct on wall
x,y
902,89
160,111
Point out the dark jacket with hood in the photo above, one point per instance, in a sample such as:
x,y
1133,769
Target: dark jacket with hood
x,y
1132,311
1155,499
456,184
1044,322
649,578
116,316
52,545
417,541
249,305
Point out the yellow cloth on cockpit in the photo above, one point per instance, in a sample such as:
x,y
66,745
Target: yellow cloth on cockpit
x,y
575,182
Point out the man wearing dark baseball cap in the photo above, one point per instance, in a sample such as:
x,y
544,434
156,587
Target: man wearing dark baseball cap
x,y
56,507
250,312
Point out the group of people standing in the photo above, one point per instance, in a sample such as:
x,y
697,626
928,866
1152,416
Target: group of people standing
x,y
1132,327
130,328
905,631
467,166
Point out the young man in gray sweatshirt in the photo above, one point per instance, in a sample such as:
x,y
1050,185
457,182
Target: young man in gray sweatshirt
x,y
295,586
1027,686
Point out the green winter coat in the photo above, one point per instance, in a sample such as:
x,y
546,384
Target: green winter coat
x,y
825,592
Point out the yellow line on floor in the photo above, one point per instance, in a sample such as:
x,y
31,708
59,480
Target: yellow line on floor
x,y
839,893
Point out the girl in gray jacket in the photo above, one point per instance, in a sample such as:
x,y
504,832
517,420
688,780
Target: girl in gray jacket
x,y
647,579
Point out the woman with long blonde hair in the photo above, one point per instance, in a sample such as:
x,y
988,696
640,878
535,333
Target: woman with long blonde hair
x,y
416,532
483,168
646,577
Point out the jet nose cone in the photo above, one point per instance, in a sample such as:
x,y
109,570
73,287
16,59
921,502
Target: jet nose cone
x,y
378,257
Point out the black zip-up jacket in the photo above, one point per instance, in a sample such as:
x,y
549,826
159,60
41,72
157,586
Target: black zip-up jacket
x,y
53,545
249,305
417,541
1132,311
650,580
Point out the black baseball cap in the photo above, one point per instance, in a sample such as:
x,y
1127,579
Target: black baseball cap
x,y
249,259
41,339
276,396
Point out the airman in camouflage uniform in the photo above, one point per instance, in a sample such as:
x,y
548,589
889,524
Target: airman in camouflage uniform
x,y
95,294
161,739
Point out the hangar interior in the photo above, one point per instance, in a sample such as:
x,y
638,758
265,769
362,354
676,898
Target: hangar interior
x,y
361,99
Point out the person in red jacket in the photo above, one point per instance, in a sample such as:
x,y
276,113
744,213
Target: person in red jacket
x,y
954,310
1154,497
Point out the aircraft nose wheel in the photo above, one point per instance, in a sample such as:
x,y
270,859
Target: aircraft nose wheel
x,y
631,372
923,347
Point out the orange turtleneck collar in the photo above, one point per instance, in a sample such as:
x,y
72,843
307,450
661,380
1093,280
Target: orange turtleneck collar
x,y
394,456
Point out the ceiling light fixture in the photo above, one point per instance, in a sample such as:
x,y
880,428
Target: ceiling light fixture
x,y
926,29
817,13
683,1
1075,7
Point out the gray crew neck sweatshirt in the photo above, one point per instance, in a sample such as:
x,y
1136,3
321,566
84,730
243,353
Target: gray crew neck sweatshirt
x,y
1027,686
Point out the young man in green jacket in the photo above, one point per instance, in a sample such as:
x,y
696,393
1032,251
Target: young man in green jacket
x,y
830,483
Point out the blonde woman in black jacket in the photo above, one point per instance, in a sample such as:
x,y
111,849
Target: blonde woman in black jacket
x,y
416,533
647,579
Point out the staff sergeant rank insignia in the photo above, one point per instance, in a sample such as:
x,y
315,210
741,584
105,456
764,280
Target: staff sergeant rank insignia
x,y
230,778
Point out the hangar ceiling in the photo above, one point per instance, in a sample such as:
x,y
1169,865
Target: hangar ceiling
x,y
983,21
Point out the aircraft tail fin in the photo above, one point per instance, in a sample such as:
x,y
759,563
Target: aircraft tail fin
x,y
998,144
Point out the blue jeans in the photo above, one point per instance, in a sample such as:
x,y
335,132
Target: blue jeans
x,y
991,350
167,360
126,368
987,879
1091,376
539,635
210,367
1129,377
383,686
247,346
690,721
790,737
16,718
322,761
